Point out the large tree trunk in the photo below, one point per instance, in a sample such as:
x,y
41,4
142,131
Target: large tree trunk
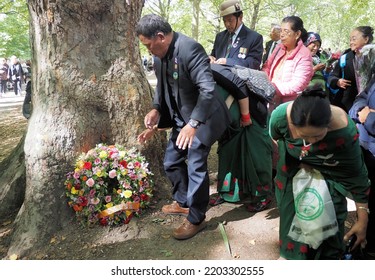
x,y
88,87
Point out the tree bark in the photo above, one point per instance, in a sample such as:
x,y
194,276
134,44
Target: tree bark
x,y
88,88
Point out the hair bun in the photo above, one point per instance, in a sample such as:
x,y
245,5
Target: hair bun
x,y
315,90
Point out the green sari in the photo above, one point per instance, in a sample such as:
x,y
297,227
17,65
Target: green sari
x,y
245,162
339,159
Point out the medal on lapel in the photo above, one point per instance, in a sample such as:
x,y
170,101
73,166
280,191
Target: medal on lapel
x,y
242,53
236,43
175,70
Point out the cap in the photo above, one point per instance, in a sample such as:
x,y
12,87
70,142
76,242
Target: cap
x,y
229,7
312,37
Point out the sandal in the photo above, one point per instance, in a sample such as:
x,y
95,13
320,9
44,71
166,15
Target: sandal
x,y
216,200
259,206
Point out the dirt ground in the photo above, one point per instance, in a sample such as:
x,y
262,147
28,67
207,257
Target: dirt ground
x,y
251,236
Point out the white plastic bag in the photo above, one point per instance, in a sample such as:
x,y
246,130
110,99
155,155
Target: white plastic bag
x,y
315,218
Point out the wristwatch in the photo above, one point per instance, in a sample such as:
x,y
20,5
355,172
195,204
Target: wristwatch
x,y
194,123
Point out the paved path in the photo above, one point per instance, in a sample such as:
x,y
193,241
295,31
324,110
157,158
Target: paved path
x,y
9,99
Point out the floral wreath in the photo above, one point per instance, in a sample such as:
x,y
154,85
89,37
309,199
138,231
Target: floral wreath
x,y
109,185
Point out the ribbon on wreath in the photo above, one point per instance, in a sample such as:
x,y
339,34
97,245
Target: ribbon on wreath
x,y
128,206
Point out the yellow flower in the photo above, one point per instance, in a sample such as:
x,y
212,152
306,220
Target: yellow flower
x,y
124,172
128,212
109,205
103,154
128,193
99,173
122,154
80,164
73,190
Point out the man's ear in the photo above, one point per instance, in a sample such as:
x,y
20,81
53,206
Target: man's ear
x,y
160,35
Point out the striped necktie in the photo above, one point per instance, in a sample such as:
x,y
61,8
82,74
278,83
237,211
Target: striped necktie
x,y
229,44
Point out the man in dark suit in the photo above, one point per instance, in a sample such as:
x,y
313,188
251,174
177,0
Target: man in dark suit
x,y
275,39
237,45
186,101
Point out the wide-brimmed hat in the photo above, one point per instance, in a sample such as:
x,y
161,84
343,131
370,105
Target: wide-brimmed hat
x,y
229,7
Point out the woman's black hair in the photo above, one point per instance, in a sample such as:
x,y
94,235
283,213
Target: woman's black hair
x,y
296,24
367,31
311,108
150,25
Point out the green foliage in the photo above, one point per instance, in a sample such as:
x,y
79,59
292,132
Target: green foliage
x,y
14,29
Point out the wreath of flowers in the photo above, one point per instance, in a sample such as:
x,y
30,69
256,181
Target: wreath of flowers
x,y
109,185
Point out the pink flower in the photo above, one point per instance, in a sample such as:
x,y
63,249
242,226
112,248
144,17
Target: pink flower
x,y
112,174
107,198
90,182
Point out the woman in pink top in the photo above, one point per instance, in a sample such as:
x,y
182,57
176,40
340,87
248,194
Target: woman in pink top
x,y
289,67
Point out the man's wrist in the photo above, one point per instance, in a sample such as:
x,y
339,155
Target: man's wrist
x,y
194,123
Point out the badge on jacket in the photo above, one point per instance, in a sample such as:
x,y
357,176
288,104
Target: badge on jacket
x,y
242,53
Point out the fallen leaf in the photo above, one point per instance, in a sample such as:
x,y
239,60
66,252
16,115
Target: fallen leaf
x,y
13,257
53,240
6,223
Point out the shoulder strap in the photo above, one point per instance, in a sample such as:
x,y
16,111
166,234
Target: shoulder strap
x,y
343,63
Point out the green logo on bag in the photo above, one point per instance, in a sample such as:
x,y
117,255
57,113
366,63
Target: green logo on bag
x,y
309,204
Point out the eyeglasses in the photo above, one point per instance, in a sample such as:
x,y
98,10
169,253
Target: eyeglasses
x,y
286,31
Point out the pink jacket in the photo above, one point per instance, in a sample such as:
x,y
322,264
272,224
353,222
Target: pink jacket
x,y
296,73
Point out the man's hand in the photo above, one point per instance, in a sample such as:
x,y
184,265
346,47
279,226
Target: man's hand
x,y
185,137
152,118
212,59
145,135
221,61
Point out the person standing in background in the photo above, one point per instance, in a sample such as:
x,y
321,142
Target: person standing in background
x,y
237,45
16,75
271,44
3,76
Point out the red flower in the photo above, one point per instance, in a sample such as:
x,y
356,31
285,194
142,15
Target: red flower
x,y
340,142
266,187
304,249
279,184
82,201
290,246
87,165
284,168
323,146
123,163
103,221
144,197
77,186
137,165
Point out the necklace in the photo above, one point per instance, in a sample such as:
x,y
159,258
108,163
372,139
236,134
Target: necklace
x,y
305,150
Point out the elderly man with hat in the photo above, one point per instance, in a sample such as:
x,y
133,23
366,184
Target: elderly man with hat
x,y
237,45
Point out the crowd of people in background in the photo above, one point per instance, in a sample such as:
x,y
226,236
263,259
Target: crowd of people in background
x,y
307,121
14,75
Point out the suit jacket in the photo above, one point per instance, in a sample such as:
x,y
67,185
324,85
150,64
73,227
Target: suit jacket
x,y
267,50
246,51
192,86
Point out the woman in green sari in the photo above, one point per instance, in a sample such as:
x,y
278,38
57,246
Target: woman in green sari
x,y
312,134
